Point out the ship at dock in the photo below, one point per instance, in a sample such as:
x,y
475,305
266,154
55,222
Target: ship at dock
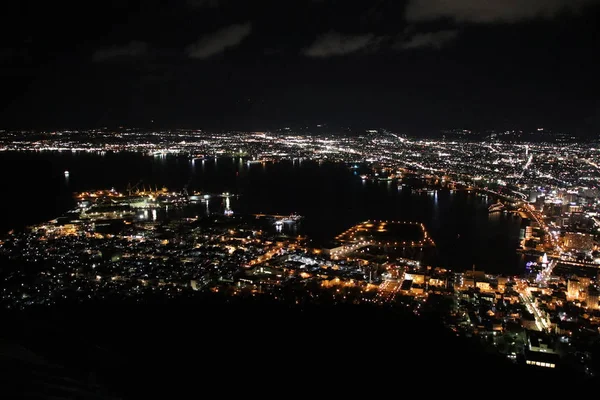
x,y
138,196
279,220
196,197
424,191
198,157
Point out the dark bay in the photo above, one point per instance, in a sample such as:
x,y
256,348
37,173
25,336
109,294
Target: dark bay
x,y
330,196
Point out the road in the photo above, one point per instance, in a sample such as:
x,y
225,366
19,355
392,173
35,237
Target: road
x,y
348,248
388,289
547,272
527,164
538,217
541,319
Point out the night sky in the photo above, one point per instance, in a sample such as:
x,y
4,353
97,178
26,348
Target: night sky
x,y
413,66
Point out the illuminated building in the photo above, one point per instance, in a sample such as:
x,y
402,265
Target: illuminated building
x,y
573,289
533,196
592,298
416,278
437,282
540,351
578,241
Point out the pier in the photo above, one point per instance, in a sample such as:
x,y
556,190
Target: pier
x,y
291,218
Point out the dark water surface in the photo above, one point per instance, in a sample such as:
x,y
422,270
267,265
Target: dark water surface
x,y
331,197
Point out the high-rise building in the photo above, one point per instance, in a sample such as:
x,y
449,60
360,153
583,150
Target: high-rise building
x,y
573,289
528,232
578,241
593,297
533,195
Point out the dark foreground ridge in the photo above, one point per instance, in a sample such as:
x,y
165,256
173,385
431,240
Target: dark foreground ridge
x,y
217,345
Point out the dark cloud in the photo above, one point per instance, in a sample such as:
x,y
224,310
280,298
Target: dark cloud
x,y
216,42
204,3
6,55
428,40
337,44
487,11
134,48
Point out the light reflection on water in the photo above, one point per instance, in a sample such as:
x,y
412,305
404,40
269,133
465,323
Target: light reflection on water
x,y
332,198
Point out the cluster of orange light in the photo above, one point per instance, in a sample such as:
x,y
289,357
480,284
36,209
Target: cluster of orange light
x,y
367,225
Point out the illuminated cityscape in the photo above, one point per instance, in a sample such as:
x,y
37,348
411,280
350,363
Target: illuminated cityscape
x,y
328,198
123,244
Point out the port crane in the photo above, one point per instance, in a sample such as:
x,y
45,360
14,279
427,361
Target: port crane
x,y
134,187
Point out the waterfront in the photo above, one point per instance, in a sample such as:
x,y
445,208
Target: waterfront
x,y
331,197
